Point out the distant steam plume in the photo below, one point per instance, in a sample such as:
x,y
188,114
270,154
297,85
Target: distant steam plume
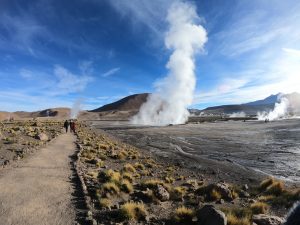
x,y
280,111
76,108
168,105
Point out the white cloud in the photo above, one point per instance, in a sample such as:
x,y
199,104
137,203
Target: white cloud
x,y
111,72
86,67
148,13
69,82
294,52
25,73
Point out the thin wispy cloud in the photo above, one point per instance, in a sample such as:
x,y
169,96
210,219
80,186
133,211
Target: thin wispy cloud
x,y
111,72
67,82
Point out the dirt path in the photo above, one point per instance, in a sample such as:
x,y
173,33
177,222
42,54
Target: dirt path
x,y
39,191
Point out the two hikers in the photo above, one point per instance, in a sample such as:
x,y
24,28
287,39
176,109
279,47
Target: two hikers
x,y
72,125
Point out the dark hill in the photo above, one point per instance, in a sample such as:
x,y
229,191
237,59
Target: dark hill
x,y
129,103
252,108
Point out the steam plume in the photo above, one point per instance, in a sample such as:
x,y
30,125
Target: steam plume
x,y
280,111
168,105
76,108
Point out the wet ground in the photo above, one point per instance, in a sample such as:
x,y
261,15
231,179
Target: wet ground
x,y
272,148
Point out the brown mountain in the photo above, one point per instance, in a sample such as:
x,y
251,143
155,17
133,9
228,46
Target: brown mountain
x,y
129,103
54,112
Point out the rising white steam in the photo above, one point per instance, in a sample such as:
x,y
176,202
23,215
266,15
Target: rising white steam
x,y
76,108
168,105
237,114
280,111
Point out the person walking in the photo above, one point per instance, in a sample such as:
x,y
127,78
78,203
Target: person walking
x,y
74,127
71,126
66,125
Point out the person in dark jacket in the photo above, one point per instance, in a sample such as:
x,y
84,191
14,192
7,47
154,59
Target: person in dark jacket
x,y
73,126
66,125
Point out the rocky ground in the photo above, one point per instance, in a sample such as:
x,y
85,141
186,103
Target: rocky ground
x,y
19,138
126,185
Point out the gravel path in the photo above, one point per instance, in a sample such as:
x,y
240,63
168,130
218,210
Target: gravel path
x,y
39,190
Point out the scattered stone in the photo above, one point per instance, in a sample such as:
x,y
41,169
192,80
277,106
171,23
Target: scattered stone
x,y
245,187
251,201
161,193
244,194
262,219
209,215
223,189
42,137
220,201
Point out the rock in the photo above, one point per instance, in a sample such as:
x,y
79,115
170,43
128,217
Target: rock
x,y
245,187
251,201
223,189
262,219
42,137
244,194
208,215
220,201
161,193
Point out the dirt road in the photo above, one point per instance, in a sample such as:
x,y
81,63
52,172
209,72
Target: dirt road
x,y
39,191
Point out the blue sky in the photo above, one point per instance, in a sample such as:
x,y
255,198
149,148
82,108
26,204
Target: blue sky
x,y
53,53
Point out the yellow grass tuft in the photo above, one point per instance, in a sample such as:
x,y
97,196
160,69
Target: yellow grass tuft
x,y
129,168
133,211
234,220
259,208
184,215
126,186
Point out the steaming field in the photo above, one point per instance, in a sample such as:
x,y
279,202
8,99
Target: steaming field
x,y
269,148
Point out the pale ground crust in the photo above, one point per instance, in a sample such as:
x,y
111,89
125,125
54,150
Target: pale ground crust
x,y
39,190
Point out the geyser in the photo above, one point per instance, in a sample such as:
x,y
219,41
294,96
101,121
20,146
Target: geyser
x,y
76,108
173,94
280,111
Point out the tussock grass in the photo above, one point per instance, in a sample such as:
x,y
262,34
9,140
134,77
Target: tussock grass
x,y
105,203
139,166
276,188
151,183
259,208
266,183
184,215
234,220
133,211
110,188
178,193
126,186
214,195
129,168
109,176
127,176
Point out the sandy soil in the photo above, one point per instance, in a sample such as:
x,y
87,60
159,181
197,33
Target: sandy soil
x,y
39,190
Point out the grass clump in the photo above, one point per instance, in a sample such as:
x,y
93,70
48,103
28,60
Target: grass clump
x,y
121,155
105,203
169,180
214,195
110,188
139,166
126,186
133,211
129,168
110,176
276,188
259,208
184,215
127,176
151,183
266,183
234,220
178,193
